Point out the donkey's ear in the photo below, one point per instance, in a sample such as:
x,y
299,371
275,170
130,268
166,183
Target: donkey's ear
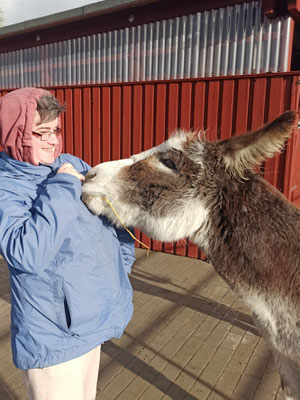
x,y
248,151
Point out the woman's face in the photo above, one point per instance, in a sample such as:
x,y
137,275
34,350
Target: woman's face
x,y
43,151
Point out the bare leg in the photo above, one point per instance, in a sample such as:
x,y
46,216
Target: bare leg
x,y
75,379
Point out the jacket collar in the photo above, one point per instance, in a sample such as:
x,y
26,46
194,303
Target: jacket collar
x,y
21,168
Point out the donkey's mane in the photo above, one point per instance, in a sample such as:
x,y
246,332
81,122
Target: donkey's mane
x,y
190,136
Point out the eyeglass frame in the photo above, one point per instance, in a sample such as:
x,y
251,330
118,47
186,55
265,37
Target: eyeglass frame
x,y
46,135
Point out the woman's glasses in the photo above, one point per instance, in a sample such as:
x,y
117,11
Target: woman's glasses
x,y
45,135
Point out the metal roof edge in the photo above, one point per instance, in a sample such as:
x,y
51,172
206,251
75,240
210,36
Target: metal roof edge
x,y
90,10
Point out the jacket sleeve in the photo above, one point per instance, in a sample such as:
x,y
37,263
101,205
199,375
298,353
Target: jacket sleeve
x,y
30,237
127,248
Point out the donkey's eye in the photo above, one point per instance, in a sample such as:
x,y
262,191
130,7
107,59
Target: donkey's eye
x,y
168,163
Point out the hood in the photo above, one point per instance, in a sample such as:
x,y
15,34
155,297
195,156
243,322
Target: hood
x,y
17,111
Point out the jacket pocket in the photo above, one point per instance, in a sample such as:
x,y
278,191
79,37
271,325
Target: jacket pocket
x,y
66,309
62,304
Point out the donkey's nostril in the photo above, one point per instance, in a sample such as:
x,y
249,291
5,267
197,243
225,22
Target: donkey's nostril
x,y
90,175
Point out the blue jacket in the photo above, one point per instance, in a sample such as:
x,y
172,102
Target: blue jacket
x,y
68,268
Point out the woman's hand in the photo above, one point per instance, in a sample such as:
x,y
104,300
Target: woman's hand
x,y
68,168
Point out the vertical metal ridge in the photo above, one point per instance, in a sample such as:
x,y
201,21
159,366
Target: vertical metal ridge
x,y
234,40
195,45
218,42
203,43
284,50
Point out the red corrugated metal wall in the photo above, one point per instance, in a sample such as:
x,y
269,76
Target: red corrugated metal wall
x,y
108,122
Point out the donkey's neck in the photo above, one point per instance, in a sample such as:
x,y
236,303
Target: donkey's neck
x,y
252,235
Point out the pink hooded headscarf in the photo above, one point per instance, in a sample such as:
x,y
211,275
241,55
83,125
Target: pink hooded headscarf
x,y
17,112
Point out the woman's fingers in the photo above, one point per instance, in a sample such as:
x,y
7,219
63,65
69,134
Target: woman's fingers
x,y
68,168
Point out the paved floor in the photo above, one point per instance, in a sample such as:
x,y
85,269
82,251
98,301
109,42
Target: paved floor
x,y
190,338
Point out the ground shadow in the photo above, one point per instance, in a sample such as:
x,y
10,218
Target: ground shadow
x,y
198,303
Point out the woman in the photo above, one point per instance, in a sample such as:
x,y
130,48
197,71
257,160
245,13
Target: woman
x,y
68,268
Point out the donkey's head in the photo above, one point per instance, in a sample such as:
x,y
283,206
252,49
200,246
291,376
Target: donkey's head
x,y
169,191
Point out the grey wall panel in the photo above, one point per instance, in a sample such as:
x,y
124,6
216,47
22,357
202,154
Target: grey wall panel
x,y
235,40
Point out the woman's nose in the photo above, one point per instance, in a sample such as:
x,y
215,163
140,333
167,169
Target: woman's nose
x,y
53,139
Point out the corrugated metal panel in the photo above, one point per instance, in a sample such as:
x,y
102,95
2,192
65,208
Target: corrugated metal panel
x,y
108,122
229,41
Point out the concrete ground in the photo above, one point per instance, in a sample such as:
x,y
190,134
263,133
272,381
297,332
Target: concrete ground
x,y
190,338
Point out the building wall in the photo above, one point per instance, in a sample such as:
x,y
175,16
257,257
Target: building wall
x,y
232,40
112,121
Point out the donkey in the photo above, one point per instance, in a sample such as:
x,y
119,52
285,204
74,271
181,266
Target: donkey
x,y
212,194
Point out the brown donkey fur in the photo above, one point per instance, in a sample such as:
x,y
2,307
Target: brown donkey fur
x,y
209,192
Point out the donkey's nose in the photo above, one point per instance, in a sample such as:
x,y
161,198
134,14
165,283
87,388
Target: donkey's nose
x,y
90,175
